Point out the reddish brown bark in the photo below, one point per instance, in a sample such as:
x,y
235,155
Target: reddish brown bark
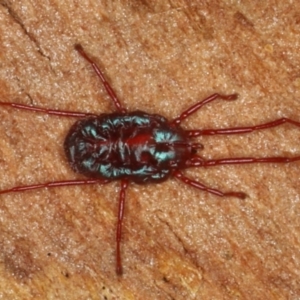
x,y
178,243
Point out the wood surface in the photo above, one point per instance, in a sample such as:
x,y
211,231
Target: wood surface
x,y
161,57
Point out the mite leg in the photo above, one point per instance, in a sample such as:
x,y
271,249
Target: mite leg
x,y
200,162
53,184
202,187
240,130
124,185
61,113
201,103
100,74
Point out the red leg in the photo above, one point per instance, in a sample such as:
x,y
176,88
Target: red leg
x,y
100,74
200,162
239,130
124,185
54,112
198,105
54,184
202,187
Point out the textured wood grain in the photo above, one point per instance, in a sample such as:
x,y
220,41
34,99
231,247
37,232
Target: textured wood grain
x,y
160,56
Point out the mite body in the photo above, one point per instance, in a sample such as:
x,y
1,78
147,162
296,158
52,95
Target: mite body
x,y
139,147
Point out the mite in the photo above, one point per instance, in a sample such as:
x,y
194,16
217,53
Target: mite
x,y
139,147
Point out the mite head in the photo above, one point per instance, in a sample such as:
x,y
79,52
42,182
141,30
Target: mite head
x,y
172,148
